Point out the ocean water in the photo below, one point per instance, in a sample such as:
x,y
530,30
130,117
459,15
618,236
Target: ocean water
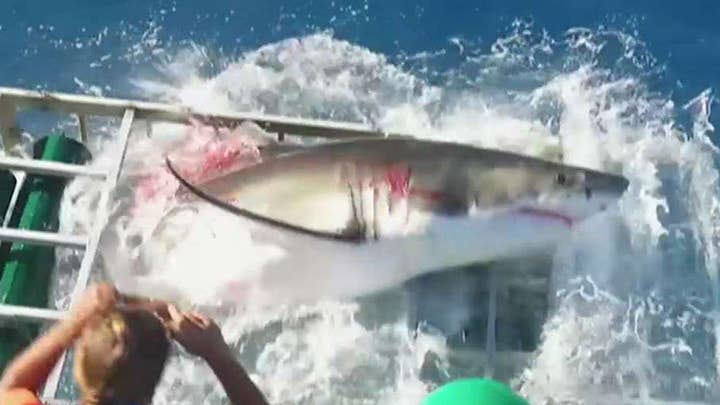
x,y
625,87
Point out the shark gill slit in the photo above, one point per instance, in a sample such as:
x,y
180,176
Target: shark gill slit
x,y
374,213
356,224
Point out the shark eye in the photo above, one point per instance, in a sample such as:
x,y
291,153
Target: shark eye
x,y
561,179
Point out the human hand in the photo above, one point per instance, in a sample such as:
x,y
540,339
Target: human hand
x,y
198,334
96,301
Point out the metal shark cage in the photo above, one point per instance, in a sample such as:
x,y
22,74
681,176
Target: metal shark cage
x,y
13,101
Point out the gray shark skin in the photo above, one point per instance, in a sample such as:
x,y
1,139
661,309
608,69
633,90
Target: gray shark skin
x,y
361,215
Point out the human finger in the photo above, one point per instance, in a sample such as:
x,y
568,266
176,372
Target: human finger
x,y
175,319
175,314
198,319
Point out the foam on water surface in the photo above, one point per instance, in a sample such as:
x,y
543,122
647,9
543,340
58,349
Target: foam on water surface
x,y
624,323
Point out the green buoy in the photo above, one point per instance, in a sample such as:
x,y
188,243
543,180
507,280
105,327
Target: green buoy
x,y
27,268
7,187
474,391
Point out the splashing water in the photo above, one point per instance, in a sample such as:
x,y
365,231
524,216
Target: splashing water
x,y
634,317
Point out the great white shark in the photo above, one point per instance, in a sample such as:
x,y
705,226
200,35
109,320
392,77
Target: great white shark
x,y
357,216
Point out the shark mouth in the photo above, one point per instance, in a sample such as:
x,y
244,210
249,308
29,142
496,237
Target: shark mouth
x,y
547,214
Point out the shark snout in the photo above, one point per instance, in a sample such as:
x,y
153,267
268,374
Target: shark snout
x,y
597,193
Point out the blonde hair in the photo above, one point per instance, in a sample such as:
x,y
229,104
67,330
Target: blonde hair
x,y
121,357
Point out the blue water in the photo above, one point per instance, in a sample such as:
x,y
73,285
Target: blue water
x,y
495,52
682,40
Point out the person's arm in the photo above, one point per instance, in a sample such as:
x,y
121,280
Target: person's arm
x,y
30,369
239,387
202,337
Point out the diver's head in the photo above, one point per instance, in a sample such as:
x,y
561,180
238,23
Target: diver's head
x,y
119,359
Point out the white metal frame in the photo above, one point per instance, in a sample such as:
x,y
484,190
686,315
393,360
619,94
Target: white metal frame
x,y
81,106
88,261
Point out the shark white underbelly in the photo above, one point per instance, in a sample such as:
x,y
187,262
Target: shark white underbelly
x,y
311,269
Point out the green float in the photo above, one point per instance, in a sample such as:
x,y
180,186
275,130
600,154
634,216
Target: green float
x,y
7,187
474,391
27,268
